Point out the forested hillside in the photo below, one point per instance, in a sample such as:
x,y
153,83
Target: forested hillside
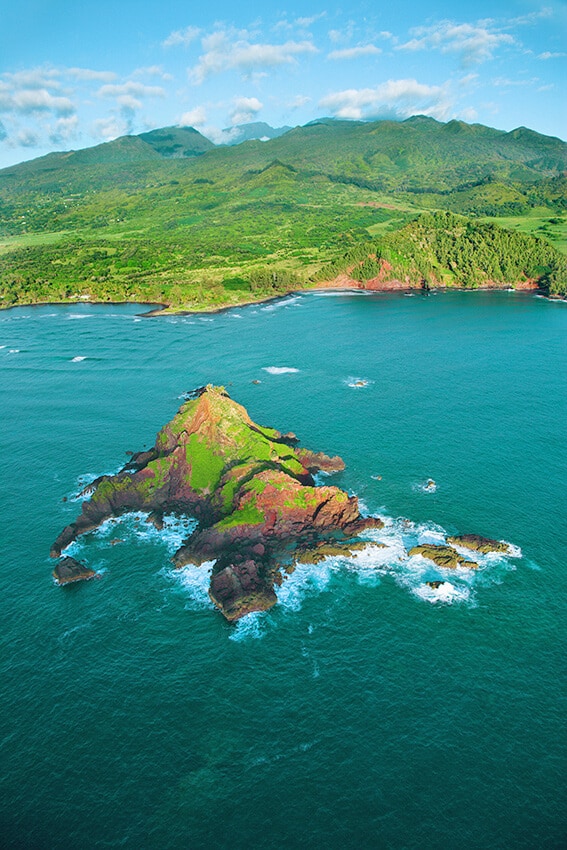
x,y
169,217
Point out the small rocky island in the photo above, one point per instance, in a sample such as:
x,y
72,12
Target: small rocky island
x,y
251,489
259,511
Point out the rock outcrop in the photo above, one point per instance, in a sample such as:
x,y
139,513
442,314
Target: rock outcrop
x,y
443,556
68,570
476,543
250,488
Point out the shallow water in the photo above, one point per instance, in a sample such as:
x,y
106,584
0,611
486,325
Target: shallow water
x,y
366,709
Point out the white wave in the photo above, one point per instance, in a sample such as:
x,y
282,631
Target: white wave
x,y
279,370
357,383
194,582
249,627
427,486
334,293
82,491
79,316
431,535
446,592
306,580
3,346
513,551
277,305
78,359
14,350
134,526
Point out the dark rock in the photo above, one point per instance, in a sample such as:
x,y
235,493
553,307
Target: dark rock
x,y
155,518
68,570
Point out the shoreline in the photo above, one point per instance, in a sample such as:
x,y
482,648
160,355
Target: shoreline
x,y
399,288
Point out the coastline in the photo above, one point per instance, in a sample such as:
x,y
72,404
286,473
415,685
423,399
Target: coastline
x,y
342,283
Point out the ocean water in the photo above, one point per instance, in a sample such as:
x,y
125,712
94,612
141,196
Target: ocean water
x,y
364,711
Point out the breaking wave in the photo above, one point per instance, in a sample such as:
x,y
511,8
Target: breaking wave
x,y
279,370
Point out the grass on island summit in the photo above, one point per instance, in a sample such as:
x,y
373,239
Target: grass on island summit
x,y
167,217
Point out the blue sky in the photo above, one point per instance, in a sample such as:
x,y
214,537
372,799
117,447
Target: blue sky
x,y
74,74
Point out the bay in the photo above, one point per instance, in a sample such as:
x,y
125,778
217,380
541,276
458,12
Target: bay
x,y
362,711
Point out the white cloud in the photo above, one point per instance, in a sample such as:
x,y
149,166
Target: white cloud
x,y
344,35
65,129
245,110
298,101
195,117
505,82
130,89
108,128
548,55
152,71
227,50
34,78
222,137
27,101
307,22
355,52
469,114
397,97
475,42
531,17
181,37
89,75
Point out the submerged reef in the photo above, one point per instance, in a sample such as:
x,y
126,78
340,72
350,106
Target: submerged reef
x,y
251,490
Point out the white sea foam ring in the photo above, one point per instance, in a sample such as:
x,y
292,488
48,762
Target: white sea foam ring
x,y
428,486
357,383
279,370
78,359
446,593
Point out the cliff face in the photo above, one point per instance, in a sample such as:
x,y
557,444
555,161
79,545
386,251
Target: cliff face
x,y
250,488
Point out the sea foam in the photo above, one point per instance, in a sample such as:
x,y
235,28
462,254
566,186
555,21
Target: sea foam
x,y
279,370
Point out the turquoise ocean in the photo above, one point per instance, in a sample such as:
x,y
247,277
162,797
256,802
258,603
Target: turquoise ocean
x,y
366,710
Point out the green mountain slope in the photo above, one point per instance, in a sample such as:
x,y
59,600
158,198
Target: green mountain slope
x,y
168,216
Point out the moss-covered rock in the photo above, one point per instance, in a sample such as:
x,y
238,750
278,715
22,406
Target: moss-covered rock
x,y
476,543
443,556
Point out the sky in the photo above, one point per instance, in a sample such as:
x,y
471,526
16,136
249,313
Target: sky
x,y
75,74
